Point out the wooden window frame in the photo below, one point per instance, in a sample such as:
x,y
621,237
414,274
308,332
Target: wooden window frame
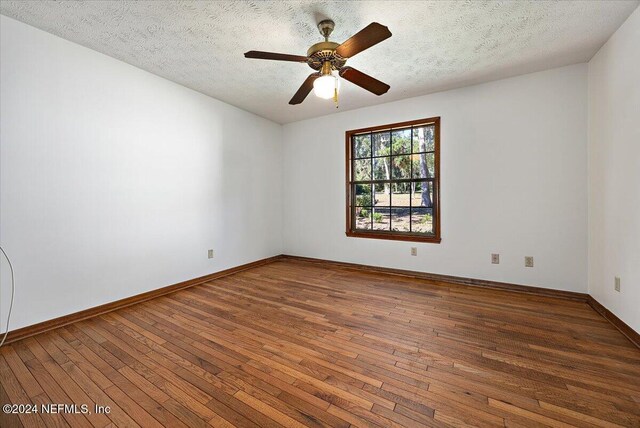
x,y
351,231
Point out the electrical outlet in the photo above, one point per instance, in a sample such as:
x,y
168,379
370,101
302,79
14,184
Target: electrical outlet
x,y
616,285
414,251
528,261
495,259
210,254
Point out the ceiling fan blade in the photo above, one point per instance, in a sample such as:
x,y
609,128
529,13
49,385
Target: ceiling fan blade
x,y
275,56
370,35
364,80
304,90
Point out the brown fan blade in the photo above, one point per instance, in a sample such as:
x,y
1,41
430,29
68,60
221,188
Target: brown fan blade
x,y
304,90
370,35
275,56
364,80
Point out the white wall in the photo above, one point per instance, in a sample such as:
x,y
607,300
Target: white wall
x,y
614,172
115,181
514,181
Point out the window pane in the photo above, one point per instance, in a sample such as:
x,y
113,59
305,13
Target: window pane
x,y
422,220
422,195
381,168
381,195
423,165
401,141
381,143
401,166
400,195
424,139
363,195
362,146
363,170
381,219
363,218
416,194
400,219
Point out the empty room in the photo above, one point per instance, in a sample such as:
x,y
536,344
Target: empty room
x,y
320,213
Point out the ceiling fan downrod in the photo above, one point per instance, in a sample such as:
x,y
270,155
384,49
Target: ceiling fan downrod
x,y
326,68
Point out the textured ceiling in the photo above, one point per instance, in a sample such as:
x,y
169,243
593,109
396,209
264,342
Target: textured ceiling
x,y
436,45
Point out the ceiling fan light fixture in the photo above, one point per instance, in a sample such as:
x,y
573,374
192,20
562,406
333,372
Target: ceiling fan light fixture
x,y
326,86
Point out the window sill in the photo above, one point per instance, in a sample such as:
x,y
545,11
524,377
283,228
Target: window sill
x,y
394,236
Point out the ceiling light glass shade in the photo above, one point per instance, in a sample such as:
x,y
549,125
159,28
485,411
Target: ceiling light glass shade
x,y
325,86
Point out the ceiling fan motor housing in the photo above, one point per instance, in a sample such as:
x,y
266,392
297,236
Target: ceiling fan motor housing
x,y
323,52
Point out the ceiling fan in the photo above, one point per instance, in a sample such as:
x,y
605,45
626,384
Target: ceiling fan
x,y
329,57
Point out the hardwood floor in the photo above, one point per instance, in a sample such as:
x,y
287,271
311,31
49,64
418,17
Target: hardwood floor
x,y
301,344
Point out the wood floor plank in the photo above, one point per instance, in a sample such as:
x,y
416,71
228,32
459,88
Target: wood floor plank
x,y
79,387
294,343
47,373
16,395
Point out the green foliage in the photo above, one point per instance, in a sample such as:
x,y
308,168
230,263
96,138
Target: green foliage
x,y
377,217
401,166
363,195
363,213
401,142
363,169
362,146
380,143
426,219
364,200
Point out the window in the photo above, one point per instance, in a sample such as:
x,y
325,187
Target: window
x,y
393,181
